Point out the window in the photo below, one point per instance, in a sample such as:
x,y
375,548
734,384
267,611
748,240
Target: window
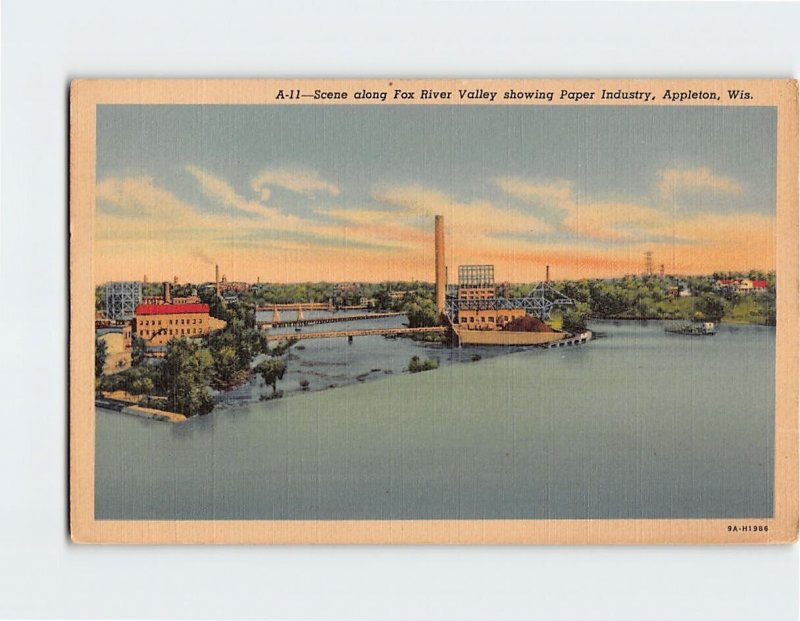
x,y
463,320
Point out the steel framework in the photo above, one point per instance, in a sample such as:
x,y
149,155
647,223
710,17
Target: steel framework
x,y
475,275
122,299
539,302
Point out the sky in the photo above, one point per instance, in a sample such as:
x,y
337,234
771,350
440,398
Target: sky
x,y
348,193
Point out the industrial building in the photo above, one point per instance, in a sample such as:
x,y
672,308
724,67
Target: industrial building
x,y
476,282
158,324
479,314
167,297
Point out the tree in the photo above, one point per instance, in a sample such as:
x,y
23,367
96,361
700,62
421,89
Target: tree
x,y
416,364
226,364
186,371
138,350
711,307
421,313
574,319
100,355
271,370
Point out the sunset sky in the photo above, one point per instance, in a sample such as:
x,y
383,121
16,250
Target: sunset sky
x,y
312,193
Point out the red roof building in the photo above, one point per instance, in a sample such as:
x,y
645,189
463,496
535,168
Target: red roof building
x,y
170,309
158,324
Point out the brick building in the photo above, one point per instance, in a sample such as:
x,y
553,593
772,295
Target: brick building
x,y
159,323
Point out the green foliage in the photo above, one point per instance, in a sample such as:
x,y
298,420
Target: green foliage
x,y
100,355
421,312
711,307
186,372
226,364
416,364
272,370
574,319
138,350
100,297
282,347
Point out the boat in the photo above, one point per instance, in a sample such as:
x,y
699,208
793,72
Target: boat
x,y
706,328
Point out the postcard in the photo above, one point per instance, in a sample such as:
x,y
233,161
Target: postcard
x,y
434,311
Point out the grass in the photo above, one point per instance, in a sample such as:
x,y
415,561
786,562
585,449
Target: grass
x,y
747,310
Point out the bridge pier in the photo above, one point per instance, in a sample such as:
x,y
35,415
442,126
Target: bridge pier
x,y
349,338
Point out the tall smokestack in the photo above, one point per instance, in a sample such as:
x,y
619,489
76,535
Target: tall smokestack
x,y
547,273
216,278
167,293
441,276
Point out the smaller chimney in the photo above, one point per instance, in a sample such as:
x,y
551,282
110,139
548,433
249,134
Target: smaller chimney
x,y
175,280
547,274
216,278
167,293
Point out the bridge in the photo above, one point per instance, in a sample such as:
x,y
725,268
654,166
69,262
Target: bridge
x,y
296,306
352,333
290,323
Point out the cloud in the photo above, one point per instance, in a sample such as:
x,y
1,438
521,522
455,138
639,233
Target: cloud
x,y
143,228
479,218
675,181
610,221
222,193
139,197
558,191
300,180
358,216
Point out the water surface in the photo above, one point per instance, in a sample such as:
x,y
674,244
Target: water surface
x,y
639,424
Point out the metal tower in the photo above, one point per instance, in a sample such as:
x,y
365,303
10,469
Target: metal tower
x,y
122,298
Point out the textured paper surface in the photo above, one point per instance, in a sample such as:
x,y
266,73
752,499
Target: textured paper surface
x,y
574,235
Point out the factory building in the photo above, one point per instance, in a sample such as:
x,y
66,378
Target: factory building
x,y
167,297
159,323
476,283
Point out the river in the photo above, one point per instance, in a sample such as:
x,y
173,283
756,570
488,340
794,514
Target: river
x,y
637,424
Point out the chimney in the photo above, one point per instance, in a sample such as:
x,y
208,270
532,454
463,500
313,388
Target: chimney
x,y
441,276
216,278
167,294
547,273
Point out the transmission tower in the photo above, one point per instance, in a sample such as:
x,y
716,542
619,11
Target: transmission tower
x,y
648,263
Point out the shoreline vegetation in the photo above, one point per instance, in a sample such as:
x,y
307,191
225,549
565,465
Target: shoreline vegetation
x,y
183,380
